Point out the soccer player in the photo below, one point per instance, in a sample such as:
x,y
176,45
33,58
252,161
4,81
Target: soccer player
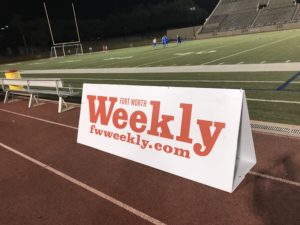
x,y
164,41
178,40
154,43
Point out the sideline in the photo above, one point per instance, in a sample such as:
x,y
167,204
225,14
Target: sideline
x,y
266,176
85,186
223,68
272,101
183,81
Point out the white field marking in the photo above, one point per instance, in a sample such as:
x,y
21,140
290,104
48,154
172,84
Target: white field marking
x,y
262,62
170,58
84,186
119,58
221,63
185,81
184,54
126,57
206,52
273,101
51,122
13,64
248,99
268,67
241,62
287,61
37,63
161,54
70,61
281,180
248,50
143,55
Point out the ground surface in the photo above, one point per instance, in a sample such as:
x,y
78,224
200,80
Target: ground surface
x,y
257,63
47,178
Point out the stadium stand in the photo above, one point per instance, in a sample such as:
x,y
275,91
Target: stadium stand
x,y
230,15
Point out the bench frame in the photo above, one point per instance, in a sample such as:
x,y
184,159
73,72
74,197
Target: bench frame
x,y
50,86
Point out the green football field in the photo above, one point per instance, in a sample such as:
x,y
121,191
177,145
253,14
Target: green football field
x,y
264,101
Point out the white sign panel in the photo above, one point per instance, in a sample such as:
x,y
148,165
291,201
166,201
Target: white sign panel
x,y
200,134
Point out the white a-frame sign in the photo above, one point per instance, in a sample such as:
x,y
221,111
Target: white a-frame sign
x,y
200,134
245,157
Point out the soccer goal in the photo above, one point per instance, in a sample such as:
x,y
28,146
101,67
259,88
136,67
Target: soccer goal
x,y
65,48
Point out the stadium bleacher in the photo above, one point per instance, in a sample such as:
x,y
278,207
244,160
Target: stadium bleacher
x,y
244,14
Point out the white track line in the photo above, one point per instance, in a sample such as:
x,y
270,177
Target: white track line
x,y
85,186
281,180
63,125
39,119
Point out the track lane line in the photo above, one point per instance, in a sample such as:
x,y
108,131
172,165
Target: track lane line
x,y
40,119
266,176
84,186
278,179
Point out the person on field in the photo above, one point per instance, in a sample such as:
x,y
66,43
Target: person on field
x,y
104,48
178,40
154,43
164,41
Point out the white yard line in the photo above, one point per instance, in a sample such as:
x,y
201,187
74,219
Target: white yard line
x,y
13,64
38,63
248,50
170,58
266,176
70,61
119,58
83,185
184,53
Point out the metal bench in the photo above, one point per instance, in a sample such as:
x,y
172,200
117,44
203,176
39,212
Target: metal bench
x,y
36,86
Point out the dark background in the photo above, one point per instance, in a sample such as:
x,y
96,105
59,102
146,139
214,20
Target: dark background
x,y
23,23
97,9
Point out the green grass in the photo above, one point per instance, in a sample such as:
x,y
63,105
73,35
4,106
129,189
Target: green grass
x,y
272,47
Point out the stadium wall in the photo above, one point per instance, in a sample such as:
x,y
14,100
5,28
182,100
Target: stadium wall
x,y
186,33
277,27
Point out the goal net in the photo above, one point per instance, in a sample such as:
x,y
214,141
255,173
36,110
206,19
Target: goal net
x,y
65,49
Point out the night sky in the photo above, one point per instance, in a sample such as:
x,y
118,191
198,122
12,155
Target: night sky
x,y
85,9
